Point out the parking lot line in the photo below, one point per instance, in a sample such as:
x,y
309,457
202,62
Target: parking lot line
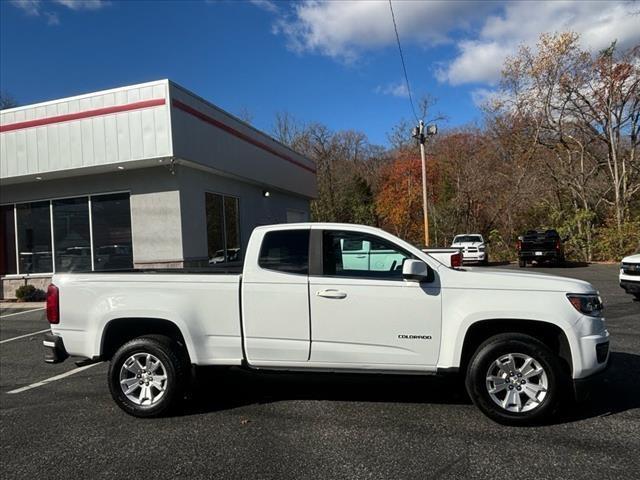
x,y
53,379
20,313
24,336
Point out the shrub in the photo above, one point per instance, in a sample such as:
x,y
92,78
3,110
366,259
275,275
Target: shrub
x,y
29,293
607,241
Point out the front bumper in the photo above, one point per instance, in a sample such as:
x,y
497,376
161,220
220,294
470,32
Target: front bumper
x,y
630,286
473,256
54,351
583,388
594,362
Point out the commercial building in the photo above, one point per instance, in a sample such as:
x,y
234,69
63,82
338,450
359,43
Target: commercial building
x,y
144,176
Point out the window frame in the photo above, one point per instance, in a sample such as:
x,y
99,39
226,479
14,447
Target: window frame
x,y
224,223
316,267
50,200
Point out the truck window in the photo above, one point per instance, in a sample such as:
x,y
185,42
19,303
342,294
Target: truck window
x,y
383,261
285,251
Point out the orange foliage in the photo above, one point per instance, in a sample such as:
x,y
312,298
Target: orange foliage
x,y
399,198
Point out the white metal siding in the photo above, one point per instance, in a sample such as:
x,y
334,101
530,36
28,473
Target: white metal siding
x,y
198,141
97,140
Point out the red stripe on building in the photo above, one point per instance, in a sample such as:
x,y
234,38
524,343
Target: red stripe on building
x,y
236,133
80,115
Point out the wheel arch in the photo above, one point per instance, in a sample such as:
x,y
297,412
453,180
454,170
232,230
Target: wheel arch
x,y
118,331
552,335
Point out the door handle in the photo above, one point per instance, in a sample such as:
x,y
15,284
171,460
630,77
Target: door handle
x,y
331,294
361,256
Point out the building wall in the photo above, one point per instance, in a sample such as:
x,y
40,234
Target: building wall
x,y
125,140
255,209
156,226
210,137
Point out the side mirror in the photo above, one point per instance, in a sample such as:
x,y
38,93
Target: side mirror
x,y
417,271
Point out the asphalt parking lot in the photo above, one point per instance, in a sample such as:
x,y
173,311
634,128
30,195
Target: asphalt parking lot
x,y
247,425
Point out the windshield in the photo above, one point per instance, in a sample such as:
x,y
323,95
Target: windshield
x,y
467,238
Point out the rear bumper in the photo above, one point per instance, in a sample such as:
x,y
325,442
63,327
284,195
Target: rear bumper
x,y
544,255
54,351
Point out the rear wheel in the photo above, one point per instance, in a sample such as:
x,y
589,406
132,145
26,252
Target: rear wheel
x,y
515,379
148,375
522,263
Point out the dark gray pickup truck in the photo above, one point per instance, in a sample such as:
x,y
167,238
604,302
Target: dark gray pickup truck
x,y
540,246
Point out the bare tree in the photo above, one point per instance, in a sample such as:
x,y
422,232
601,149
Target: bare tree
x,y
7,101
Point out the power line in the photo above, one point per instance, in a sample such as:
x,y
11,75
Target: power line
x,y
404,67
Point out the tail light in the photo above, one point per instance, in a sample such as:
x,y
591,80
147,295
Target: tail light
x,y
558,245
456,260
519,245
53,304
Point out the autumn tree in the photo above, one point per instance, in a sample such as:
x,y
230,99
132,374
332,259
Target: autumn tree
x,y
583,110
399,199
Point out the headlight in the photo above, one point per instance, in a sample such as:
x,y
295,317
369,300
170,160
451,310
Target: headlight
x,y
481,248
587,304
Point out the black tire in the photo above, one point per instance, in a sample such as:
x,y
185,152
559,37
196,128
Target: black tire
x,y
174,362
485,262
522,263
498,347
637,295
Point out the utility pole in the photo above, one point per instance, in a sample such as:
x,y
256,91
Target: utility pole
x,y
421,136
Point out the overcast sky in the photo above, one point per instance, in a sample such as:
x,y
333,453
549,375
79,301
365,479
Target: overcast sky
x,y
334,62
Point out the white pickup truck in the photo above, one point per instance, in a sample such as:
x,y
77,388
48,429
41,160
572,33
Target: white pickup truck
x,y
303,301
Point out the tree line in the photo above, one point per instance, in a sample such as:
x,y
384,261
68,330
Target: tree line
x,y
557,148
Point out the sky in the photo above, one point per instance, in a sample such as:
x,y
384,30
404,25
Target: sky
x,y
333,62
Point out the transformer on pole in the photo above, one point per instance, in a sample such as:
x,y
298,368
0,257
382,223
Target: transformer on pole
x,y
421,135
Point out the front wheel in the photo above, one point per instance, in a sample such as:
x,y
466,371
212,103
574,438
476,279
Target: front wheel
x,y
515,379
147,376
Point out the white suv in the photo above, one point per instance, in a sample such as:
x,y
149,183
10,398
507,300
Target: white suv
x,y
630,274
472,246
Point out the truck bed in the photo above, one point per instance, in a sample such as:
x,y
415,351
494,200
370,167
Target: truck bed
x,y
203,303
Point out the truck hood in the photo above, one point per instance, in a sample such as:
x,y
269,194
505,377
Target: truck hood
x,y
632,258
467,244
509,280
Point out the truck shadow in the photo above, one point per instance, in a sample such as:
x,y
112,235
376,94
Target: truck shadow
x,y
498,264
221,389
224,389
619,390
565,264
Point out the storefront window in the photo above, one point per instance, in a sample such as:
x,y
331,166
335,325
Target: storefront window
x,y
109,215
71,236
8,264
111,219
34,237
223,228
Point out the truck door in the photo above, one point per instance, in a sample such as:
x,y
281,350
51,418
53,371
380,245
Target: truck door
x,y
275,297
369,316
